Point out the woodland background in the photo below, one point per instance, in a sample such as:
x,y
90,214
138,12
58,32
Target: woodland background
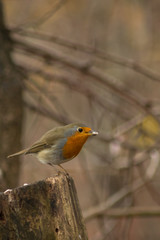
x,y
95,62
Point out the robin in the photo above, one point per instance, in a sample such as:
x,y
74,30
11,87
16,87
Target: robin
x,y
60,144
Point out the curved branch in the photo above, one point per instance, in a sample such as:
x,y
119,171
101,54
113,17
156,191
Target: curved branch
x,y
133,212
125,62
85,67
121,194
41,19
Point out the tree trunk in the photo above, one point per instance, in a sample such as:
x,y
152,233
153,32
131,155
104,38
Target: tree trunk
x,y
10,110
48,209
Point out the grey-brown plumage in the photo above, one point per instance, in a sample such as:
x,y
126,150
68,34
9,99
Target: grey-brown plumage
x,y
49,148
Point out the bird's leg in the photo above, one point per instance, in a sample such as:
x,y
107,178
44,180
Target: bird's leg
x,y
57,171
63,169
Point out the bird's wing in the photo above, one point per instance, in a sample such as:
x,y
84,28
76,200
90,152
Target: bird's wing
x,y
36,147
47,140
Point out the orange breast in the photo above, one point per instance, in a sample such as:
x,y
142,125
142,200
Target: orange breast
x,y
74,145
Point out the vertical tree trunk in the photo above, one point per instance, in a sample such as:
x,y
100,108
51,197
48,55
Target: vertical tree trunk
x,y
48,210
10,109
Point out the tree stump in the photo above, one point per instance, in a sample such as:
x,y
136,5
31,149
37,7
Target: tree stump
x,y
48,209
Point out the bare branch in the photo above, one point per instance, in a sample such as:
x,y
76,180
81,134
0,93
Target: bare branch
x,y
121,194
44,112
84,67
129,63
133,212
52,114
42,19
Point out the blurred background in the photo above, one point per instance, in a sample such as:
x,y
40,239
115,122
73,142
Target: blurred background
x,y
95,62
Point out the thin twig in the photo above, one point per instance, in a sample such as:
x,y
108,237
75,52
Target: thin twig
x,y
133,212
41,20
86,68
129,63
58,117
121,194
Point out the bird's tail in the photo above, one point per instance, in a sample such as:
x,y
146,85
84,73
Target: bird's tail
x,y
18,153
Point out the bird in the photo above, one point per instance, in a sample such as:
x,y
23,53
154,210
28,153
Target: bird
x,y
60,144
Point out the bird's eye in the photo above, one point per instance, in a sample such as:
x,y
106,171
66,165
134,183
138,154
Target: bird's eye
x,y
80,130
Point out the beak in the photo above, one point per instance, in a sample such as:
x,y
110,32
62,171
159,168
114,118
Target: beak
x,y
93,133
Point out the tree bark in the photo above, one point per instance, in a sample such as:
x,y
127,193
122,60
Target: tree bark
x,y
10,110
48,209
